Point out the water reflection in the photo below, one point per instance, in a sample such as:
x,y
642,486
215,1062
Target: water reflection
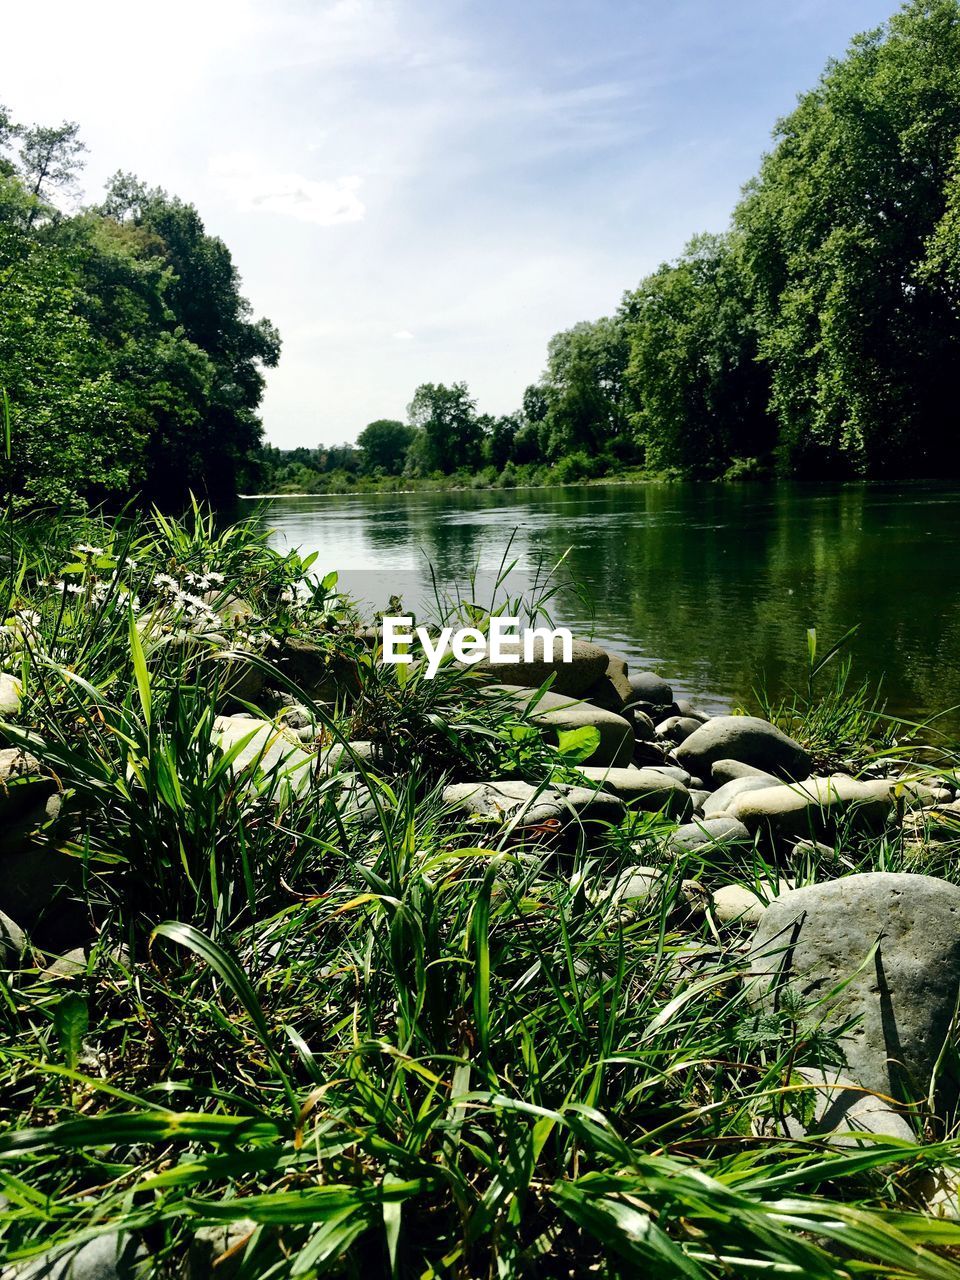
x,y
711,585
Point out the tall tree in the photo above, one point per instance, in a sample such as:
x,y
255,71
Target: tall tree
x,y
383,446
583,389
449,437
862,341
699,394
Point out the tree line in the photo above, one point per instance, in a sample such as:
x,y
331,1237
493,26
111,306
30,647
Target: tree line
x,y
818,336
130,360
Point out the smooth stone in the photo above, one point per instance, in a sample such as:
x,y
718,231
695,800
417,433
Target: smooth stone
x,y
642,789
11,695
612,690
337,756
739,904
555,713
724,771
677,729
13,942
70,965
745,738
647,687
689,711
672,771
524,806
22,784
722,799
699,797
815,938
708,833
322,675
645,886
644,730
268,749
588,662
841,1111
815,807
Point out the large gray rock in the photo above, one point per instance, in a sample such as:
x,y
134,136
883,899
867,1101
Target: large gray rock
x,y
553,810
708,833
647,687
554,712
612,690
840,1110
33,871
11,693
814,808
266,751
642,789
747,739
902,997
722,799
743,904
588,662
22,785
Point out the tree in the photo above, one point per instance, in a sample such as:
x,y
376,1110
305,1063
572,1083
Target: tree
x,y
448,436
583,389
856,320
699,395
383,446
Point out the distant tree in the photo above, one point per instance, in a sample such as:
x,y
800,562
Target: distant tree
x,y
383,446
583,388
499,436
698,395
448,436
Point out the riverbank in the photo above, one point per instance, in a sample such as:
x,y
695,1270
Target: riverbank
x,y
312,962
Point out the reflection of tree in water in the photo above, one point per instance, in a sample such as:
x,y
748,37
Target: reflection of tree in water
x,y
714,585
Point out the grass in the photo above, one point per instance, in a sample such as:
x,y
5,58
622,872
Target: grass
x,y
377,1040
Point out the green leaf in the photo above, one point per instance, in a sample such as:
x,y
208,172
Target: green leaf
x,y
140,669
71,1020
578,744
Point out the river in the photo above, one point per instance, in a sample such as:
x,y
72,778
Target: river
x,y
712,586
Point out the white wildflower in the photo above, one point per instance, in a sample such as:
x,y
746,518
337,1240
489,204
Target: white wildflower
x,y
85,549
165,583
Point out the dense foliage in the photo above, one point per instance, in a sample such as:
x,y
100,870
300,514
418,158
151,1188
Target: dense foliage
x,y
128,354
819,335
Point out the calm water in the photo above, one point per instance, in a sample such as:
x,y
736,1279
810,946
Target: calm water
x,y
712,586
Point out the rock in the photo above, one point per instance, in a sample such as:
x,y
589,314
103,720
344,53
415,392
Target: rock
x,y
644,729
705,833
648,754
673,771
724,771
903,999
814,850
689,712
210,1245
644,886
699,798
721,799
233,609
22,785
265,749
747,739
554,712
840,1108
642,789
112,1256
13,942
646,687
677,729
814,808
70,965
323,674
588,662
33,871
740,904
612,690
239,678
556,809
11,695
338,756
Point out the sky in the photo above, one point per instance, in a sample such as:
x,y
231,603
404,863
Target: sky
x,y
426,190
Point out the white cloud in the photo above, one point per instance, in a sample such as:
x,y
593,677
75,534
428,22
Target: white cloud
x,y
403,335
324,202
